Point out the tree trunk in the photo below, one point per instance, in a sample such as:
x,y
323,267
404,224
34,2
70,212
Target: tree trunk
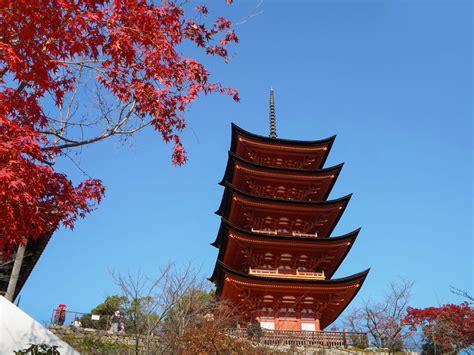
x,y
15,273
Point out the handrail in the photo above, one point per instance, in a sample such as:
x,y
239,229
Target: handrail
x,y
329,339
264,231
310,235
297,273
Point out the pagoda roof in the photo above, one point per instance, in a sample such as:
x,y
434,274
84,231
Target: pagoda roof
x,y
339,204
282,281
279,144
236,130
226,225
229,189
349,286
234,157
247,237
331,173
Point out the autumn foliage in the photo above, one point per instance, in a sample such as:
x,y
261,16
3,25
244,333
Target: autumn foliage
x,y
450,326
131,49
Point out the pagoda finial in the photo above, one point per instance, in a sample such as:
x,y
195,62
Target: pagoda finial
x,y
273,133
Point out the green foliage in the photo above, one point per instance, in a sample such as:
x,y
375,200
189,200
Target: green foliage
x,y
105,310
94,343
110,305
39,349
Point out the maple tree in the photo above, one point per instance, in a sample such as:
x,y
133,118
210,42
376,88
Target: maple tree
x,y
449,328
49,50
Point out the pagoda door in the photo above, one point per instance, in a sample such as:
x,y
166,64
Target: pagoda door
x,y
267,325
308,327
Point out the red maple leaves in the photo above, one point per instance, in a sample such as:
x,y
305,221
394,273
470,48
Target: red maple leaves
x,y
131,46
451,325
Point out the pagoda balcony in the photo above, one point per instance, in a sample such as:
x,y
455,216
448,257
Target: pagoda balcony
x,y
285,233
285,273
326,339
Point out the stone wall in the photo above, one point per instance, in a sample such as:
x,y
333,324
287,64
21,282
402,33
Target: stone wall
x,y
92,341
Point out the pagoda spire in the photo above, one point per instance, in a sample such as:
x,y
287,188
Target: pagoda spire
x,y
273,133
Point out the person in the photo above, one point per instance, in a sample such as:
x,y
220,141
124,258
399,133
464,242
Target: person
x,y
76,323
122,328
60,314
116,318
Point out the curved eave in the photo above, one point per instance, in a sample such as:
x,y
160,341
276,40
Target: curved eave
x,y
222,269
227,225
236,130
229,189
335,169
222,238
229,170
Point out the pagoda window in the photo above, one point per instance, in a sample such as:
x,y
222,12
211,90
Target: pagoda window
x,y
298,223
268,298
281,190
307,313
303,258
286,257
308,300
288,299
268,256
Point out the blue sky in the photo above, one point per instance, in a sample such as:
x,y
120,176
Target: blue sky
x,y
393,80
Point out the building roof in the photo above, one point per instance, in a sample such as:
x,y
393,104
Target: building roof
x,y
318,149
236,130
326,176
226,225
231,189
347,287
332,209
338,247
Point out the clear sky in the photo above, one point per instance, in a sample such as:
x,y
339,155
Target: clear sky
x,y
393,80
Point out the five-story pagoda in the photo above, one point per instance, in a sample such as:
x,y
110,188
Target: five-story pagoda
x,y
276,257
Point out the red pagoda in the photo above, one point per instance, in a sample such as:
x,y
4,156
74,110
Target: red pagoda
x,y
276,254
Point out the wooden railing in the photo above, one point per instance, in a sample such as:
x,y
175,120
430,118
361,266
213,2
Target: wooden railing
x,y
287,273
308,235
264,231
300,338
275,232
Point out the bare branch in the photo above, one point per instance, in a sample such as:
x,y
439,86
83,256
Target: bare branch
x,y
383,320
462,293
104,135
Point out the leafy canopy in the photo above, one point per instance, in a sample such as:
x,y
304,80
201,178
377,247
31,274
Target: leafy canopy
x,y
450,326
130,49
